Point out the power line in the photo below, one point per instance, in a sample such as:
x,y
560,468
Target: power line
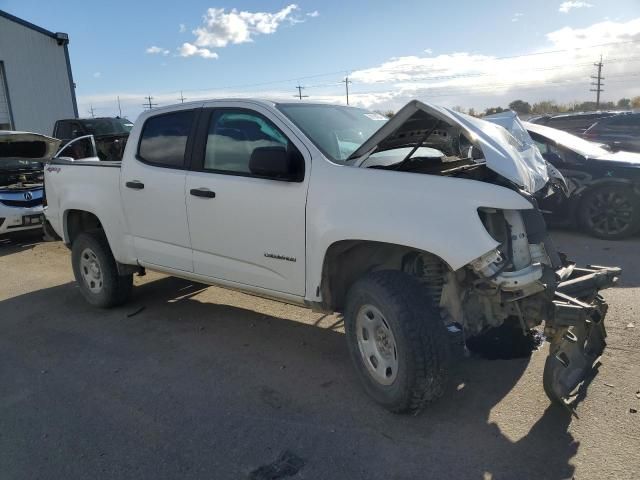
x,y
182,99
119,109
346,71
598,83
92,112
299,95
149,105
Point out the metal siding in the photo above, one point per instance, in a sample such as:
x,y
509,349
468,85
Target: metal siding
x,y
37,77
5,118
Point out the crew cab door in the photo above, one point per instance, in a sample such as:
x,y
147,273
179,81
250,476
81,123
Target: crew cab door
x,y
245,227
152,189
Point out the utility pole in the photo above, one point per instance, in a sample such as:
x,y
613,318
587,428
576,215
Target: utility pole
x,y
119,108
598,82
149,105
92,112
299,95
346,82
182,99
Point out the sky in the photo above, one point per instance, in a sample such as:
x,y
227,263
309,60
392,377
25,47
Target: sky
x,y
473,54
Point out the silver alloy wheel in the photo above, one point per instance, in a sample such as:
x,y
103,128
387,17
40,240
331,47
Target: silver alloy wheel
x,y
91,271
377,345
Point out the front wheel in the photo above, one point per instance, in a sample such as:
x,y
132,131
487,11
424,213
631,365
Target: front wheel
x,y
397,341
96,272
610,212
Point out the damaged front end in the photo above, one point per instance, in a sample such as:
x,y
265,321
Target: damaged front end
x,y
523,279
526,280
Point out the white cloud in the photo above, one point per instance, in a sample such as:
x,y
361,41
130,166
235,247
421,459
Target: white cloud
x,y
313,14
190,50
516,17
563,75
221,28
565,7
97,74
182,28
153,50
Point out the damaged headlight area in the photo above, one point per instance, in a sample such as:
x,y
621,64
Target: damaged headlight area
x,y
525,280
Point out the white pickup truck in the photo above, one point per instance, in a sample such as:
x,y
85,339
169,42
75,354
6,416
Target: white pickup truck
x,y
404,226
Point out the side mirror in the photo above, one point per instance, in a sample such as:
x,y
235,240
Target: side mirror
x,y
277,163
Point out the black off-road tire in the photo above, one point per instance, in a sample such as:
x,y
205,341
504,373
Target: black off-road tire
x,y
420,337
115,289
617,193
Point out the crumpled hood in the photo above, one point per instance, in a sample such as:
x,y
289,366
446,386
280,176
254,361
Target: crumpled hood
x,y
512,155
27,145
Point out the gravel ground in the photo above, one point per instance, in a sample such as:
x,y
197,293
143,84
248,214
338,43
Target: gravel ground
x,y
208,383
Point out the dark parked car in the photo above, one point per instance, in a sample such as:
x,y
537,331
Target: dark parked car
x,y
604,187
621,132
575,123
110,134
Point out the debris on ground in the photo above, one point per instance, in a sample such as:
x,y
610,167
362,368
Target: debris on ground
x,y
287,465
454,328
638,394
609,385
633,410
630,325
136,312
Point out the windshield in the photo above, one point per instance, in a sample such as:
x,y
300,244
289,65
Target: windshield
x,y
576,144
107,126
336,131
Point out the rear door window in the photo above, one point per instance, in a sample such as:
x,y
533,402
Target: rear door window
x,y
163,141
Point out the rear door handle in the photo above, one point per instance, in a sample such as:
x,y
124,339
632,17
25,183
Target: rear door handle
x,y
135,184
202,192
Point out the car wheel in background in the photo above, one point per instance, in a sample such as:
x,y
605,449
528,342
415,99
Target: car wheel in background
x,y
610,212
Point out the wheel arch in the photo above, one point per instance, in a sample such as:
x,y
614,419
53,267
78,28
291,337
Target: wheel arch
x,y
345,261
76,222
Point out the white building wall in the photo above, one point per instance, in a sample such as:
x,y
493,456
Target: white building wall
x,y
37,77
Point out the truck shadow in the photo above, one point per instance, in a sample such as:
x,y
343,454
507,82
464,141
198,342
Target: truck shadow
x,y
186,385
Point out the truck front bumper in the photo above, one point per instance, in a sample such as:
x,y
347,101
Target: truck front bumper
x,y
577,330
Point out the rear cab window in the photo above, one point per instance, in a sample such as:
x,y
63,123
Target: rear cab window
x,y
163,141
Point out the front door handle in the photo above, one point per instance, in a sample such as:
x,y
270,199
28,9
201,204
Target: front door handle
x,y
135,184
202,192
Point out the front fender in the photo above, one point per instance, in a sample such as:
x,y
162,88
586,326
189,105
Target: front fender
x,y
426,212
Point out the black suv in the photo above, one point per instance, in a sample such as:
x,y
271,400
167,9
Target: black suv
x,y
110,134
621,132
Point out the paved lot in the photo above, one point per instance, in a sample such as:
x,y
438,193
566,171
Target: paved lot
x,y
206,383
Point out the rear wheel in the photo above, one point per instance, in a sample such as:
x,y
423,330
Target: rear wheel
x,y
96,272
610,212
397,341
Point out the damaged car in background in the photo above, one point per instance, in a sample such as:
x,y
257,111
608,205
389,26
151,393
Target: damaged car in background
x,y
404,226
21,179
603,187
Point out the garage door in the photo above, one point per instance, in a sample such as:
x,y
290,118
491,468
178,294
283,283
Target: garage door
x,y
5,118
